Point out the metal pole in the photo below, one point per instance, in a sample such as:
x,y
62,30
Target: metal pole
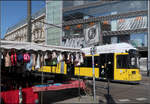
x,y
101,33
94,93
148,41
79,84
42,78
108,90
29,35
20,95
0,55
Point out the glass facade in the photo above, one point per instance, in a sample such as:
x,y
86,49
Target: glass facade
x,y
70,3
124,38
139,40
116,39
54,16
107,9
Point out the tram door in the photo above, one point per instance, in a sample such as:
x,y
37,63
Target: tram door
x,y
107,65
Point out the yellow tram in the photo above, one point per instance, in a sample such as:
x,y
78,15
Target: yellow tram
x,y
118,62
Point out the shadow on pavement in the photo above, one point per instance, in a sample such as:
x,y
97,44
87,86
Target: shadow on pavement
x,y
50,97
109,99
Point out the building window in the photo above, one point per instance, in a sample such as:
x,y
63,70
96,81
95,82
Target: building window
x,y
124,38
118,7
76,3
138,40
106,40
114,39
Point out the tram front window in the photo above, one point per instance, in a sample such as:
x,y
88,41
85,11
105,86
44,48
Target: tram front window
x,y
127,61
133,59
133,62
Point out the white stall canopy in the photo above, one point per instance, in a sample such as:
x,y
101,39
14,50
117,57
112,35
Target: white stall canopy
x,y
33,46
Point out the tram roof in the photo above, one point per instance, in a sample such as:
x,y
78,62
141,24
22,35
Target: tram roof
x,y
110,48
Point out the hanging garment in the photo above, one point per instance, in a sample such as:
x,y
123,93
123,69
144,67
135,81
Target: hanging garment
x,y
42,60
29,64
49,56
83,55
13,59
77,57
38,62
68,57
72,58
81,58
54,55
19,60
65,55
78,60
48,60
59,58
62,67
2,56
54,61
20,57
68,61
45,56
7,60
2,61
26,57
33,60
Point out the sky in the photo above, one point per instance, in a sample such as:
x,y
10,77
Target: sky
x,y
13,12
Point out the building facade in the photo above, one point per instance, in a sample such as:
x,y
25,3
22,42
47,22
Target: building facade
x,y
18,32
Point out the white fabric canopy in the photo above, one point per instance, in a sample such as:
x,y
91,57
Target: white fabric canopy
x,y
34,46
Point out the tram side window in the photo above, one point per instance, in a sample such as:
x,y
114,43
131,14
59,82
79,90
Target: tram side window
x,y
88,62
122,61
133,63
